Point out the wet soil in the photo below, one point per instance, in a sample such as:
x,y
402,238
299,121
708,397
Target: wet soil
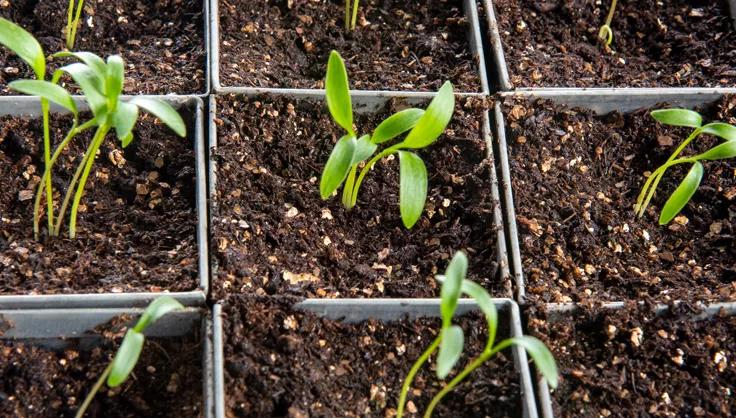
x,y
576,178
137,221
397,45
161,41
678,43
272,233
282,362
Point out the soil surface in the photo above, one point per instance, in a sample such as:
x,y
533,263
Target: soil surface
x,y
137,221
632,361
576,178
397,45
38,382
161,41
272,232
675,43
282,362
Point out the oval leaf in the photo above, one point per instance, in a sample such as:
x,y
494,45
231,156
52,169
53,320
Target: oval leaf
x,y
451,286
124,120
337,92
396,124
90,85
678,117
543,358
413,187
126,358
364,148
158,308
682,194
49,91
721,130
164,112
337,166
94,62
23,44
451,347
719,152
485,303
435,119
115,76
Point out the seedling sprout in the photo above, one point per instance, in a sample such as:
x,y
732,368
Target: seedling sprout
x,y
72,21
605,34
351,17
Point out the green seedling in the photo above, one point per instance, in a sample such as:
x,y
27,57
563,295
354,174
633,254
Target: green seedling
x,y
605,34
450,340
101,83
351,17
117,372
423,127
73,15
685,191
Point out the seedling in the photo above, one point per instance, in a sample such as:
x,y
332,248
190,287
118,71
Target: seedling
x,y
450,340
117,372
685,191
351,18
424,127
72,21
101,83
605,34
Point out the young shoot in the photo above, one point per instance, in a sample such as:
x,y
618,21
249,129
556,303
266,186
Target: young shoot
x,y
605,34
73,15
101,83
450,341
351,17
423,127
117,372
685,191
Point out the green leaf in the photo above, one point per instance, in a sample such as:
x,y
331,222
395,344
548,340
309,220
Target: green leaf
x,y
126,358
164,112
719,152
124,120
413,187
364,148
337,166
115,76
94,62
396,124
484,301
90,85
682,194
51,92
451,347
451,286
542,357
721,130
678,117
158,308
337,92
24,45
434,120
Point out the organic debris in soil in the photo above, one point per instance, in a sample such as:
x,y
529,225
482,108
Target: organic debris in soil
x,y
272,232
675,43
397,45
137,221
280,361
576,177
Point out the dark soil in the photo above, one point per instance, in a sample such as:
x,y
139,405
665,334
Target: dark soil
x,y
675,43
272,232
576,178
281,362
136,227
397,45
161,41
631,363
38,382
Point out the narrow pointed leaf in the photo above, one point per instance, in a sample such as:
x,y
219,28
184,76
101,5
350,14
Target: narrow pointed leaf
x,y
90,85
164,112
678,117
543,358
682,194
124,120
484,301
721,130
451,347
337,92
337,166
94,62
115,76
364,148
158,308
126,140
23,44
413,187
451,286
126,358
396,124
434,120
49,91
719,152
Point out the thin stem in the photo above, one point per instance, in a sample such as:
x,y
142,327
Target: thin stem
x,y
355,15
348,188
412,372
388,151
75,25
83,408
347,15
47,163
96,142
605,34
661,174
609,18
69,17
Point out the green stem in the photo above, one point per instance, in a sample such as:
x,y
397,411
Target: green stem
x,y
347,190
96,142
609,18
605,33
661,171
75,25
347,15
412,372
82,409
355,15
388,151
69,17
47,163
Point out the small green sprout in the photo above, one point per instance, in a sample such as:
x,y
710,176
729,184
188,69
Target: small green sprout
x,y
605,34
424,127
350,21
72,22
685,191
101,84
450,340
117,372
